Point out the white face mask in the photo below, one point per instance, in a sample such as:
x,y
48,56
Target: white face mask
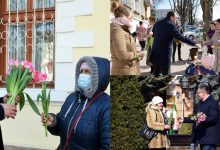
x,y
84,82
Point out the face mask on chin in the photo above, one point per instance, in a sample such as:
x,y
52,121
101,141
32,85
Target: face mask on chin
x,y
84,82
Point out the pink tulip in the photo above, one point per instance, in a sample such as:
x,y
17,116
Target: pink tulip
x,y
11,62
31,69
16,63
42,77
35,76
22,63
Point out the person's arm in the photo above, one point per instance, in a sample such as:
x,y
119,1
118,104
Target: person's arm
x,y
120,47
1,99
207,71
181,31
212,116
151,122
190,70
54,127
188,120
2,113
176,34
105,127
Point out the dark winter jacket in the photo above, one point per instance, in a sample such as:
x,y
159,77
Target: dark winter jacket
x,y
164,32
2,116
92,132
207,131
192,70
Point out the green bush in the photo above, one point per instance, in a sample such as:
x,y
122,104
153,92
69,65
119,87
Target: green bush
x,y
127,113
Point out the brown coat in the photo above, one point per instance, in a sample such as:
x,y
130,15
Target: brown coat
x,y
155,121
216,51
124,56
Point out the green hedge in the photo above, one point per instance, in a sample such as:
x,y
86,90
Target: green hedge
x,y
127,113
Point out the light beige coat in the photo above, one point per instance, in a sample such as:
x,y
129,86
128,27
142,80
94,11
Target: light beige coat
x,y
155,121
124,55
215,41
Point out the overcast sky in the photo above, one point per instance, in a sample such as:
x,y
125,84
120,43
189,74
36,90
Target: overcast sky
x,y
166,5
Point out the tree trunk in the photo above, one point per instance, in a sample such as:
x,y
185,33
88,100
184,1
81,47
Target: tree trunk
x,y
207,10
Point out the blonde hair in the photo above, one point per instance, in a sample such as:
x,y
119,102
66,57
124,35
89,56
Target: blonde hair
x,y
114,5
121,11
152,18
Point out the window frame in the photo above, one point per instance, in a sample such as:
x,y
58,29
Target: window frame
x,y
4,14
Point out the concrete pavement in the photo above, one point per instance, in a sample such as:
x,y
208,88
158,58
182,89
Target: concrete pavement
x,y
177,68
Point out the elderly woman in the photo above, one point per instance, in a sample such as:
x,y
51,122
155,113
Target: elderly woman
x,y
215,42
203,66
84,120
124,54
157,120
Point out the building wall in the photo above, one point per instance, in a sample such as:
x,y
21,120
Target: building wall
x,y
139,13
82,28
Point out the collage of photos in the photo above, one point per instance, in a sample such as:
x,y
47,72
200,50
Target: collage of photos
x,y
165,69
110,75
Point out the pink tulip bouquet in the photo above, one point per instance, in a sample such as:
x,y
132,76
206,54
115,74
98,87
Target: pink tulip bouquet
x,y
19,75
199,117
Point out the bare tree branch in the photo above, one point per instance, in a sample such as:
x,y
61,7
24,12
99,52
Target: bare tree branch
x,y
214,3
171,4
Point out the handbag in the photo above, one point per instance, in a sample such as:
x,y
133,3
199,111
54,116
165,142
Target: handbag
x,y
147,133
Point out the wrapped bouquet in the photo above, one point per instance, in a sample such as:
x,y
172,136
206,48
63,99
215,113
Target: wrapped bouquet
x,y
199,117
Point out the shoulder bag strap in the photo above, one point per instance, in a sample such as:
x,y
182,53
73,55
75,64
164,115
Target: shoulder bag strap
x,y
78,118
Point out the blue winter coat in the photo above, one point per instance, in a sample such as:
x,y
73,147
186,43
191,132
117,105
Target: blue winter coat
x,y
164,32
92,132
191,70
207,131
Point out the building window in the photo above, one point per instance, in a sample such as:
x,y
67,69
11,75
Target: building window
x,y
27,32
136,6
126,2
15,5
44,4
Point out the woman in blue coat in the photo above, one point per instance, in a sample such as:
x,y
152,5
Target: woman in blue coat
x,y
84,120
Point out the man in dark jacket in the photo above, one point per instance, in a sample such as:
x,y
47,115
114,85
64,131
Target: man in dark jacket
x,y
164,32
205,133
8,111
91,130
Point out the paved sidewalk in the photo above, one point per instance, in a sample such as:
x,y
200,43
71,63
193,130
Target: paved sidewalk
x,y
177,68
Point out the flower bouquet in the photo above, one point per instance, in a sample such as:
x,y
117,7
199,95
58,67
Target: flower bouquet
x,y
19,75
199,117
171,120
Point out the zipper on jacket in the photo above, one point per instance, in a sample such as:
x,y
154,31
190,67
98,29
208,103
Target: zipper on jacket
x,y
69,109
79,101
81,111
